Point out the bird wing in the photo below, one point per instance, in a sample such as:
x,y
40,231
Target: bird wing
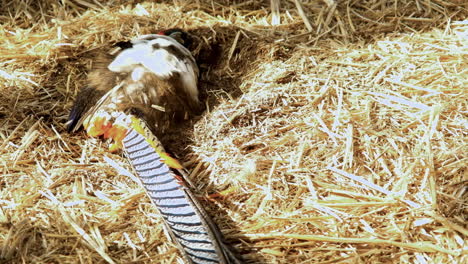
x,y
81,112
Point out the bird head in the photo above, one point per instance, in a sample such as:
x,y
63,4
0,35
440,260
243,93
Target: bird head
x,y
178,34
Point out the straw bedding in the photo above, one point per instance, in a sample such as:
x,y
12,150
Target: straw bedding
x,y
334,131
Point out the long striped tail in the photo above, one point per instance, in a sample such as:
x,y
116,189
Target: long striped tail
x,y
187,222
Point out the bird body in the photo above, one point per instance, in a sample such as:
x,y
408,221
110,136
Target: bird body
x,y
154,75
133,92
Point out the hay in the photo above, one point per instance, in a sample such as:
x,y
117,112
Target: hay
x,y
337,135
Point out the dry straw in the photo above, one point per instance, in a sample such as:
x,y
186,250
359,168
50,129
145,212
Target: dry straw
x,y
335,131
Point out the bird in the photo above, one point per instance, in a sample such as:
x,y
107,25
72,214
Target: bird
x,y
154,75
134,93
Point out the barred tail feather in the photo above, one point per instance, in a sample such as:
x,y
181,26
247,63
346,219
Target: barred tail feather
x,y
188,223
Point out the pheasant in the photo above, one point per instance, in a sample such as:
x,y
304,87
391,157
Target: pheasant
x,y
134,93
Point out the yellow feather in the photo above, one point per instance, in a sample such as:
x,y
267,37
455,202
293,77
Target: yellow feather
x,y
141,128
